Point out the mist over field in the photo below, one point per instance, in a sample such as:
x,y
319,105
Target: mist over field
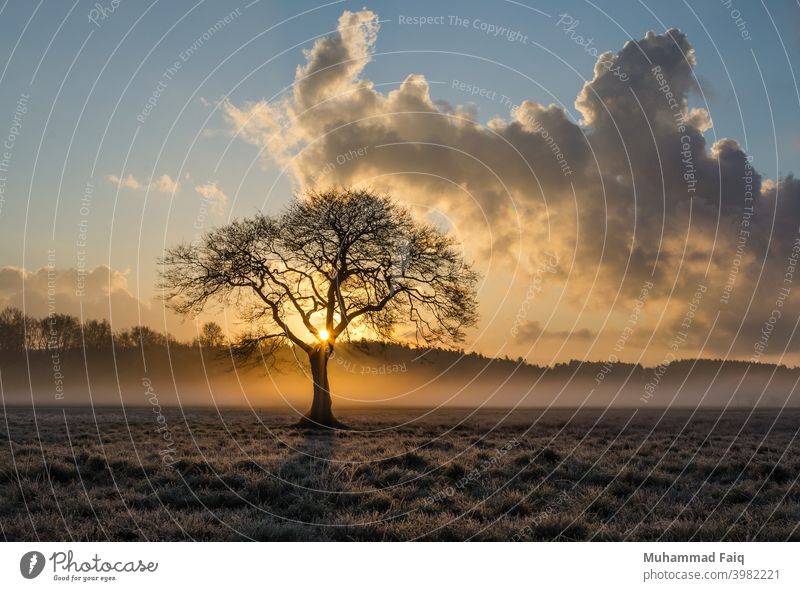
x,y
372,375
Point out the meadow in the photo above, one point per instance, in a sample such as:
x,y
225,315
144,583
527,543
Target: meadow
x,y
410,474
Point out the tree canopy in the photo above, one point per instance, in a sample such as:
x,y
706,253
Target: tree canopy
x,y
331,260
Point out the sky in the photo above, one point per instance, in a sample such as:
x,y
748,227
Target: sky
x,y
619,172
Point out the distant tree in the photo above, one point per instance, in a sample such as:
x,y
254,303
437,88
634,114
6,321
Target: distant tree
x,y
12,330
146,337
141,337
125,339
35,334
60,332
331,261
97,335
211,335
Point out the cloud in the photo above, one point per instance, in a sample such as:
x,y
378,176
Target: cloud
x,y
213,196
97,293
633,192
162,184
532,330
129,182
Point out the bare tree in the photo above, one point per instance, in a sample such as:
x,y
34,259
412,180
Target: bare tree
x,y
60,332
332,262
12,330
97,334
211,335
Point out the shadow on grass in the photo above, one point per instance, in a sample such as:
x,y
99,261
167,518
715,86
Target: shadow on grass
x,y
306,494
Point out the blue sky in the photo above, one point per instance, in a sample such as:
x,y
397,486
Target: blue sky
x,y
157,32
88,81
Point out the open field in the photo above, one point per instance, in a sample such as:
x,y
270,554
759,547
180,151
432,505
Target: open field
x,y
408,475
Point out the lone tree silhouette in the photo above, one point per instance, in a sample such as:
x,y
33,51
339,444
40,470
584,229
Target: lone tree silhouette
x,y
332,261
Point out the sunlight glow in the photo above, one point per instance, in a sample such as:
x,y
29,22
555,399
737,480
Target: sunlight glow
x,y
324,334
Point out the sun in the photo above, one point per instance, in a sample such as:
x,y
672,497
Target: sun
x,y
324,334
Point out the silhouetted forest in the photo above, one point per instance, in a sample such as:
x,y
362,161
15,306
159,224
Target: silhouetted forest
x,y
62,332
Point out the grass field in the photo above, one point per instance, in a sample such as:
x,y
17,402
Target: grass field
x,y
407,475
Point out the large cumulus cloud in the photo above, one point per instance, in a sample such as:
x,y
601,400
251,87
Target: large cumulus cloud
x,y
631,193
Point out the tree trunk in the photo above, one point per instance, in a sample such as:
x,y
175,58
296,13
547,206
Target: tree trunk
x,y
320,414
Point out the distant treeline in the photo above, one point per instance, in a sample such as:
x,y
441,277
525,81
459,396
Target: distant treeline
x,y
61,332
